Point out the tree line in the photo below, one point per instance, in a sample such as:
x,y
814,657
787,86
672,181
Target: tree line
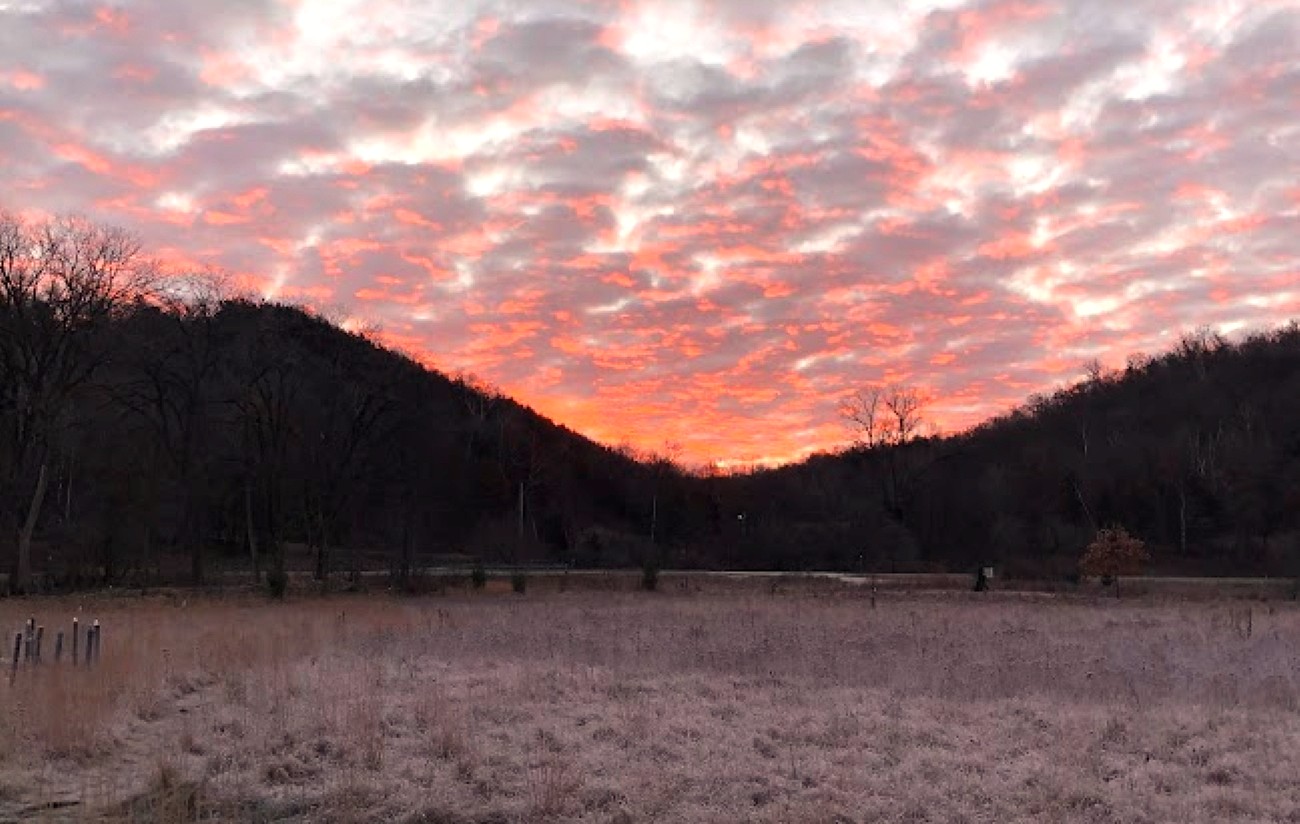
x,y
1196,452
159,429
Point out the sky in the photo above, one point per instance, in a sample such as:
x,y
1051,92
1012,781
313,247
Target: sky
x,y
693,227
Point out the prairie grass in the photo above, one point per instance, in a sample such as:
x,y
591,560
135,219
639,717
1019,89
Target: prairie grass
x,y
636,707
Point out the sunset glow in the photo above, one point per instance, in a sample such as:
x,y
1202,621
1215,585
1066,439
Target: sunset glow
x,y
699,223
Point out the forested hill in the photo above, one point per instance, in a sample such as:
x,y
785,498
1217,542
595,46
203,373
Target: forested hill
x,y
1196,451
170,441
175,437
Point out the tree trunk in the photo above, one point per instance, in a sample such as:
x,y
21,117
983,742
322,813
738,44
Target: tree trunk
x,y
654,516
521,513
193,535
251,532
1078,493
149,571
1182,520
318,572
67,495
408,546
22,580
322,546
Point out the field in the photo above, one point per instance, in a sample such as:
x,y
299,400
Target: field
x,y
621,707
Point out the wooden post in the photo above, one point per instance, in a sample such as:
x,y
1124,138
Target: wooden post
x,y
40,636
58,647
18,649
30,639
76,637
93,647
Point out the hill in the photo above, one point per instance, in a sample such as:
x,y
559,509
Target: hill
x,y
235,434
1196,451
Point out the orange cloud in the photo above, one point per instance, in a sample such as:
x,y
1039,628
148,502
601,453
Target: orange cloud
x,y
707,229
22,80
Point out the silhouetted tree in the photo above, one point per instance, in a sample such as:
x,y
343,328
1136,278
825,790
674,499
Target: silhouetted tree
x,y
61,283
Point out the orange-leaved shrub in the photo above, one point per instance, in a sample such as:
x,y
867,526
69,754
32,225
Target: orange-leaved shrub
x,y
1113,553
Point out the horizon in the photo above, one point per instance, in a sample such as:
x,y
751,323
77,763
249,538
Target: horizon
x,y
693,223
926,428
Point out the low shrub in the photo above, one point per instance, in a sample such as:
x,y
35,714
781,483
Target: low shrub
x,y
650,575
277,582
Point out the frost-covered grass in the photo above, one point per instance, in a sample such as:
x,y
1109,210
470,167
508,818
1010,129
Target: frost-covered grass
x,y
638,707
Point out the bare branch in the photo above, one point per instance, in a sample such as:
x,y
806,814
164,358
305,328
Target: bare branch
x,y
194,294
884,415
61,281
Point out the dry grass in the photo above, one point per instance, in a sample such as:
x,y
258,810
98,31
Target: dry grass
x,y
619,707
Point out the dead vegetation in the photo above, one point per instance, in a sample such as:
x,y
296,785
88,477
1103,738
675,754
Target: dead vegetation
x,y
622,707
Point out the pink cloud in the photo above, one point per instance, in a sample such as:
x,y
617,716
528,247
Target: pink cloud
x,y
695,226
21,80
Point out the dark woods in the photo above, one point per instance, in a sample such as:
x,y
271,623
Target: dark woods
x,y
156,430
1195,452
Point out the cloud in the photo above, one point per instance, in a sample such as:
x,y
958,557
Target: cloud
x,y
702,222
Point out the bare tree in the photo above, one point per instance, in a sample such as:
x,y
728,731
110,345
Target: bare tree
x,y
61,281
884,415
266,415
482,400
884,419
172,390
345,426
667,462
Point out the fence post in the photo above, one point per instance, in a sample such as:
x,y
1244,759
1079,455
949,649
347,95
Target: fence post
x,y
94,646
76,637
40,636
29,639
18,649
58,647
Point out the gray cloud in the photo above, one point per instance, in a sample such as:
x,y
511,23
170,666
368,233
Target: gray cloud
x,y
702,223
